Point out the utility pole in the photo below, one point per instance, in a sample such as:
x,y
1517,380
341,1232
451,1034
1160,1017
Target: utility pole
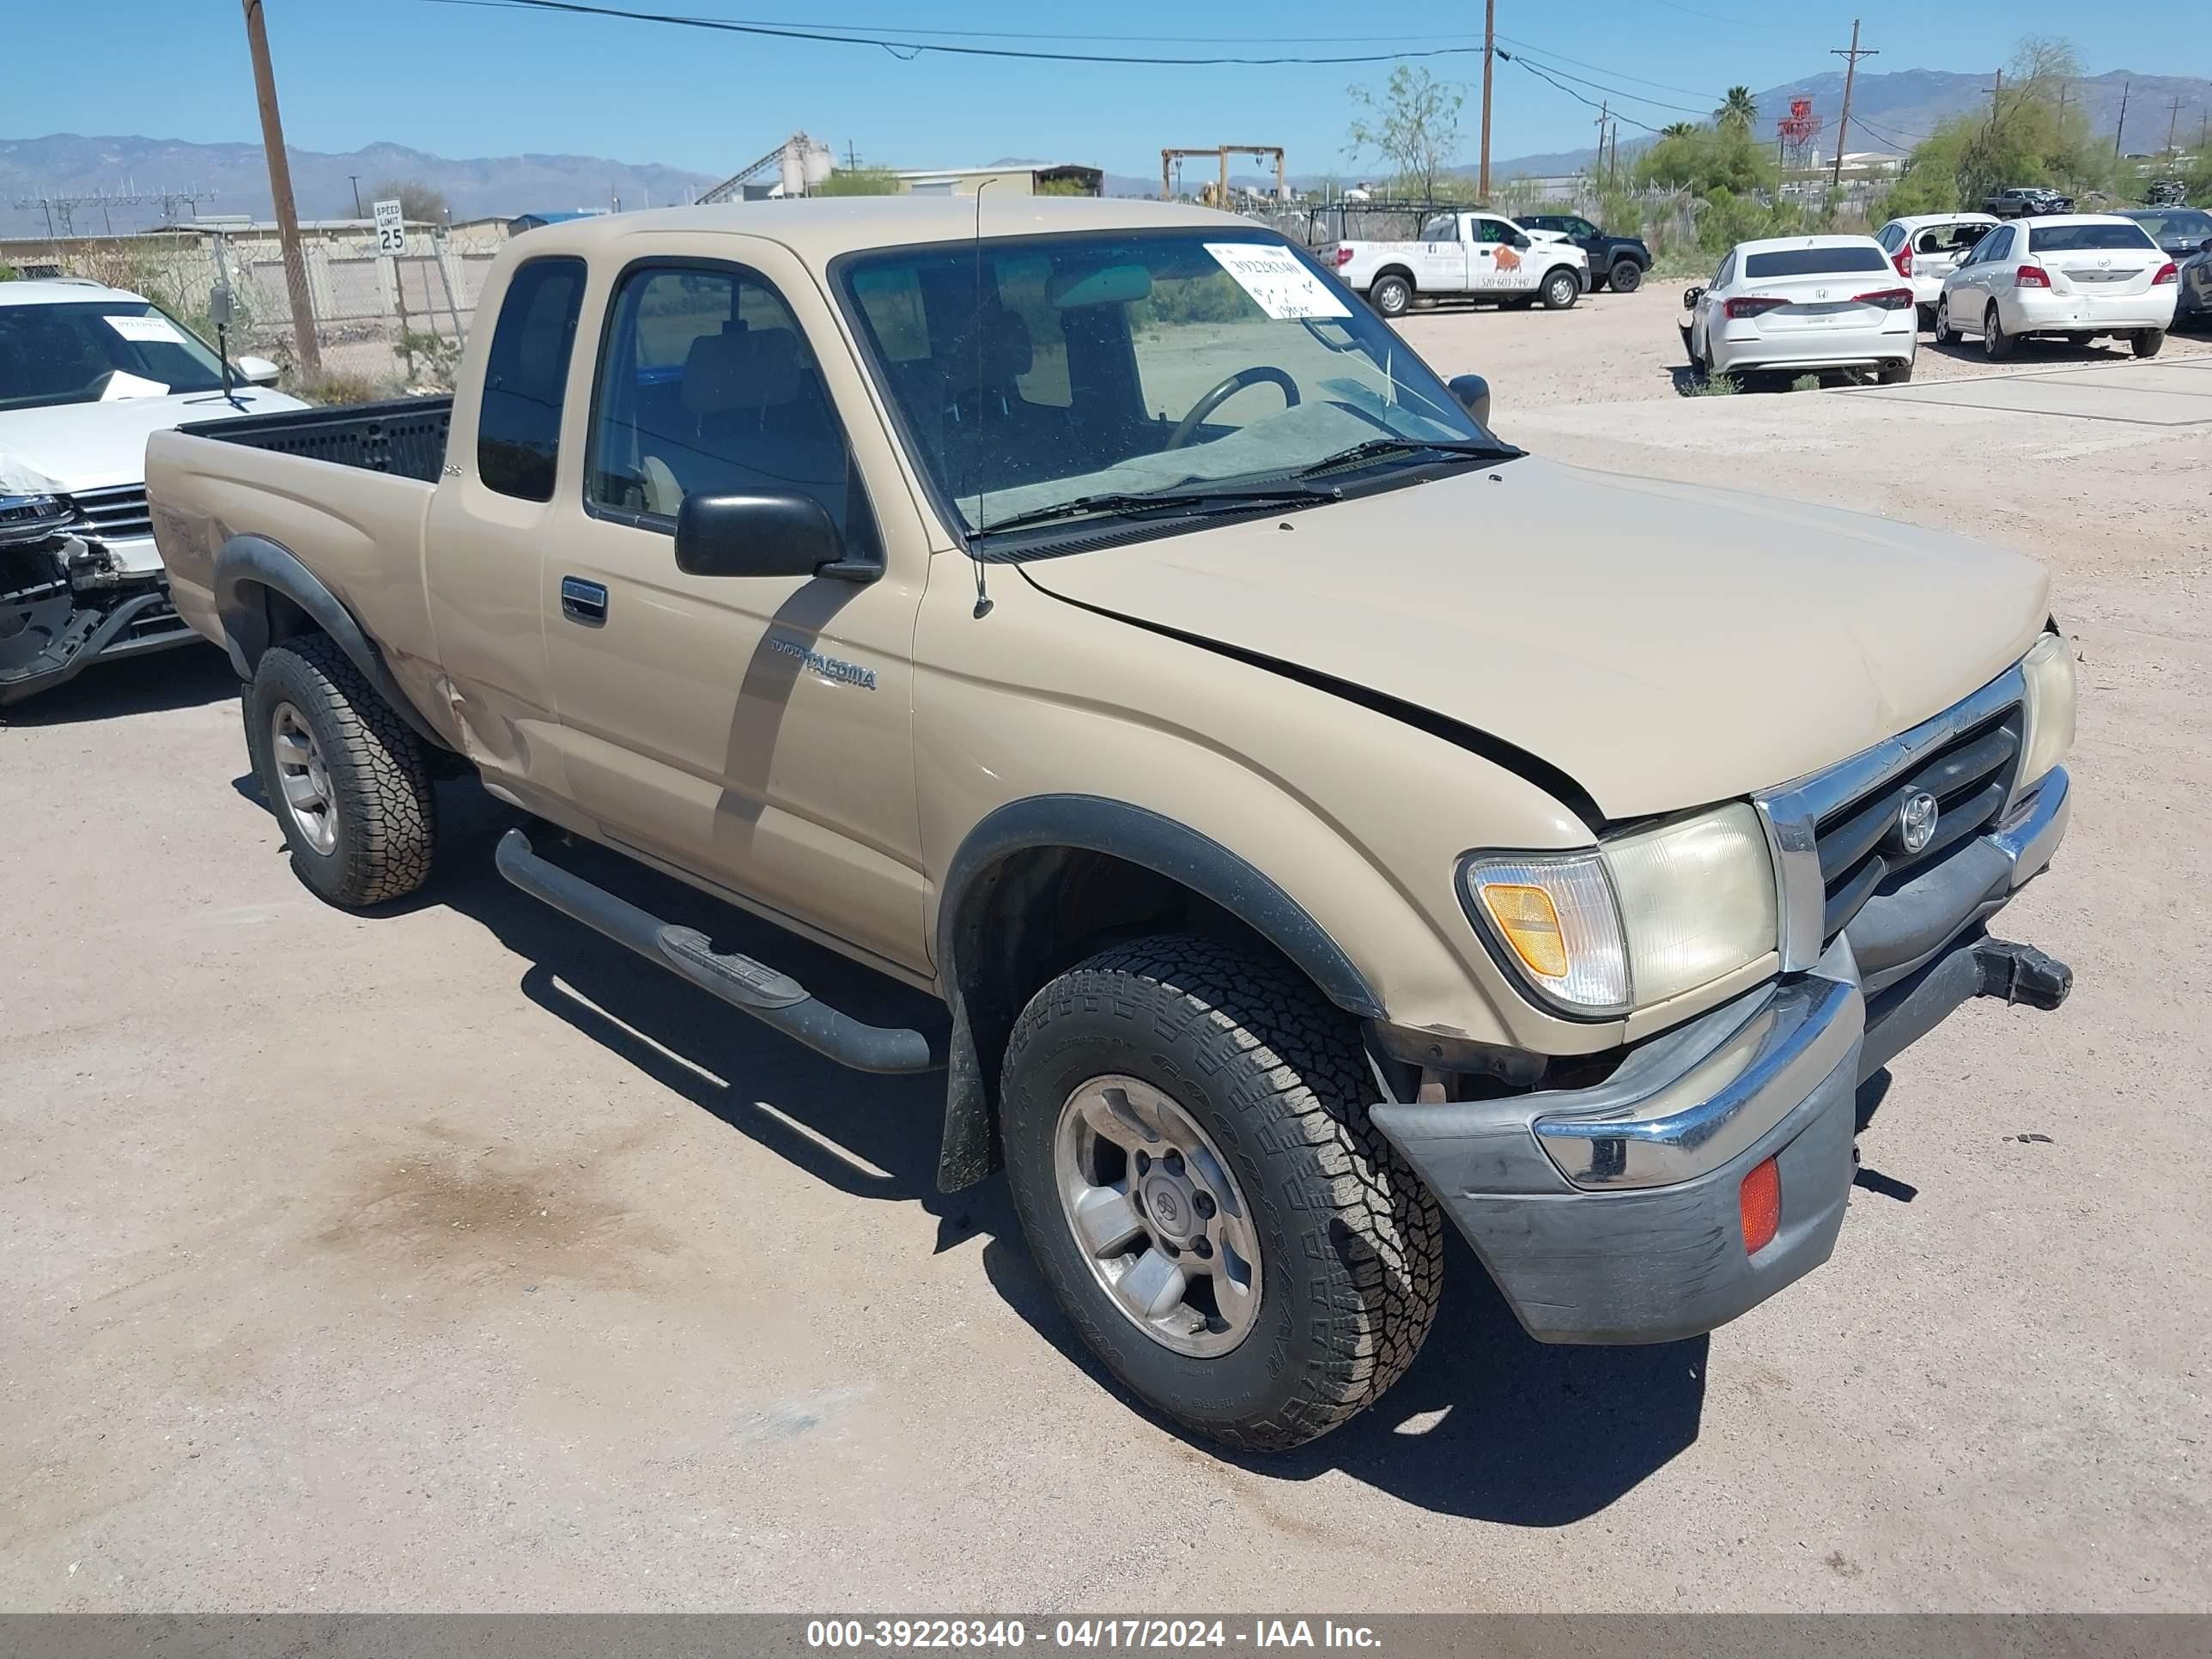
x,y
1850,72
305,347
354,179
1996,94
1489,49
2172,115
1604,114
2119,131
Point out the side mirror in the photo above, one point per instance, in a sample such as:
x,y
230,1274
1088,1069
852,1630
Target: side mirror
x,y
1691,296
2205,246
258,371
768,533
1473,394
1520,241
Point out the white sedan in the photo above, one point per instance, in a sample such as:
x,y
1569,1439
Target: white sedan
x,y
1803,303
2080,274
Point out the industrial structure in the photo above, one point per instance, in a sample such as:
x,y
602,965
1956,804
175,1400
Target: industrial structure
x,y
1221,152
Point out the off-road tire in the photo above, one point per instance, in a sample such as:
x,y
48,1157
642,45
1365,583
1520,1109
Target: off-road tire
x,y
1392,295
387,808
1562,288
1350,1243
2146,342
1626,277
1996,344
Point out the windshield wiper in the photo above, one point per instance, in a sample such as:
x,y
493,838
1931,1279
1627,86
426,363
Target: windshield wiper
x,y
1228,498
1477,449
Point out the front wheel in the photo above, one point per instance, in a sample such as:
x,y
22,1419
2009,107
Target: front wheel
x,y
348,780
1562,288
2147,342
1626,277
1945,334
1393,295
1190,1152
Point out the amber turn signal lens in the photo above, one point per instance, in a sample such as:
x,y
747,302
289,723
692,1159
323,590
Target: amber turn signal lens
x,y
1761,1201
1531,926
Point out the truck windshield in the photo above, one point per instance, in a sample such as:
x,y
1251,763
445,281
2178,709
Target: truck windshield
x,y
99,350
1030,373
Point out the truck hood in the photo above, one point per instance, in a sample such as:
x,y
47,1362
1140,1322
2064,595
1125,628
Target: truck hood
x,y
1665,645
59,447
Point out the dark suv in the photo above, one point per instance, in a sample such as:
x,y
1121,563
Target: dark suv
x,y
2021,200
1616,262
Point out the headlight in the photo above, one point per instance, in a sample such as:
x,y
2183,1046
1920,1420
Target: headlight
x,y
2049,669
1645,917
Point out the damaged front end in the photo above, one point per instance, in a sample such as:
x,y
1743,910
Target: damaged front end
x,y
63,600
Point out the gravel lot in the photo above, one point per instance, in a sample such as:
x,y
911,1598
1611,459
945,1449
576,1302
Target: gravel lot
x,y
451,1259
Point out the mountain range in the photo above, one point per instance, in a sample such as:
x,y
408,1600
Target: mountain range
x,y
1890,111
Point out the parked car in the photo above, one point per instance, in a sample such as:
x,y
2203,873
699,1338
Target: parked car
x,y
2023,199
2192,303
1054,610
1927,247
2178,231
85,371
1464,255
2168,192
1793,304
1615,262
2080,276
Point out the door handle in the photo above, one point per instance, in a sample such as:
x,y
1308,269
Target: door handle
x,y
583,602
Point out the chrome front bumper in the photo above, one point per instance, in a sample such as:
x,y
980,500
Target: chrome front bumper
x,y
1612,1214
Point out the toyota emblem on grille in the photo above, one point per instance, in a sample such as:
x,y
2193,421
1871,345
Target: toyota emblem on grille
x,y
1916,822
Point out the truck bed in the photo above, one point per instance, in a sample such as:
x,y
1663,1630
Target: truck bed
x,y
404,437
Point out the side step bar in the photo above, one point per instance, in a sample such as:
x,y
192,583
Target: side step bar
x,y
773,998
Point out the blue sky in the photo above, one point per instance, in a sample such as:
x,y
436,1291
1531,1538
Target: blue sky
x,y
461,81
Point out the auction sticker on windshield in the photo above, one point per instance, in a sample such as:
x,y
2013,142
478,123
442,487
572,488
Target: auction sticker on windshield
x,y
1278,283
150,330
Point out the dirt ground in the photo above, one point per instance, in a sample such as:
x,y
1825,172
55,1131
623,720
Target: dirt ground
x,y
451,1259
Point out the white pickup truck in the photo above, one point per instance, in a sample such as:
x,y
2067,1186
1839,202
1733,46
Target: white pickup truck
x,y
1480,255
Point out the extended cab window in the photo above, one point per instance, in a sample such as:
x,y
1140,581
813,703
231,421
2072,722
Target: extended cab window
x,y
1439,227
706,382
519,426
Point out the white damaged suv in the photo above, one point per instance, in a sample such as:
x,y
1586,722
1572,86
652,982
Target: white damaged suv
x,y
87,373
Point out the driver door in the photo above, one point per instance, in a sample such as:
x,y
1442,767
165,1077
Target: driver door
x,y
1495,264
753,730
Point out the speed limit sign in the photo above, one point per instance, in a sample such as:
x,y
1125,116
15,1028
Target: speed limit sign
x,y
391,228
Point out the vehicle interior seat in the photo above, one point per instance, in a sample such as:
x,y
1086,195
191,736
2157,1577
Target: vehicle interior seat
x,y
984,414
754,416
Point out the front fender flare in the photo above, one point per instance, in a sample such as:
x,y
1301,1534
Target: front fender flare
x,y
1137,836
246,563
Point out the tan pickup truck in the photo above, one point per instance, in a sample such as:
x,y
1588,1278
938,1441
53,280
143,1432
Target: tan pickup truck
x,y
1318,816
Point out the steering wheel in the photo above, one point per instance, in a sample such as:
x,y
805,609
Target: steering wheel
x,y
1228,389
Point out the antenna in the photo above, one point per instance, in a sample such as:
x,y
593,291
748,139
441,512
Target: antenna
x,y
975,539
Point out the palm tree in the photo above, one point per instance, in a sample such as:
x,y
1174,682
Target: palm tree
x,y
1741,109
1679,130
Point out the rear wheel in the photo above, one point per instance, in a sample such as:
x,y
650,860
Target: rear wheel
x,y
348,780
1945,334
1562,288
2148,341
1996,344
1626,277
1393,295
1190,1152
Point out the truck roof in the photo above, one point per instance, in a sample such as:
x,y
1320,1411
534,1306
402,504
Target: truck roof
x,y
819,229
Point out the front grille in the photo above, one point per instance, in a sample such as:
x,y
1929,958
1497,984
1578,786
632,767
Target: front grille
x,y
1860,852
120,515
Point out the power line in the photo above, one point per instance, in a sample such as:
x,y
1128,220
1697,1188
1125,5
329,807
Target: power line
x,y
1664,86
910,48
1632,97
1524,64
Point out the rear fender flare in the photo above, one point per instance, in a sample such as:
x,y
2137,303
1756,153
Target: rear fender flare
x,y
249,567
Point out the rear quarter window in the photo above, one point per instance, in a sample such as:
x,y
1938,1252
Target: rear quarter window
x,y
1813,261
526,378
